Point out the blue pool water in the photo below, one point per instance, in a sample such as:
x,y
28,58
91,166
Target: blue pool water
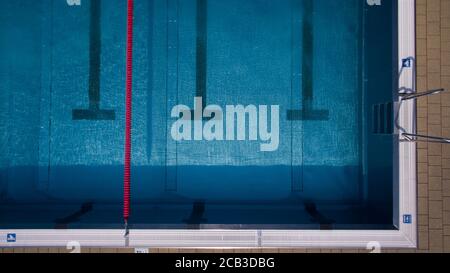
x,y
324,63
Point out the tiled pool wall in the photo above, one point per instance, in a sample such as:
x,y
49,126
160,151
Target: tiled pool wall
x,y
338,149
433,59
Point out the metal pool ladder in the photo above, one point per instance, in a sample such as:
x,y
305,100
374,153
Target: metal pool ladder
x,y
411,137
407,94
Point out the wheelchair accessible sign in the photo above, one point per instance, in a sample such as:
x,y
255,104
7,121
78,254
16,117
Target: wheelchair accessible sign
x,y
11,238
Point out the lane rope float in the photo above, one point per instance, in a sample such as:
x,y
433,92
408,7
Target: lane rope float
x,y
128,116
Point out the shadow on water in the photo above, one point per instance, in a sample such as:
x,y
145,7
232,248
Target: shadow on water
x,y
317,217
225,196
196,217
75,217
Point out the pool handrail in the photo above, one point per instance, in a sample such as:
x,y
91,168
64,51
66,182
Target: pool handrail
x,y
410,137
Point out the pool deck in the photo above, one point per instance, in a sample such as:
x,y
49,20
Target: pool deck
x,y
433,60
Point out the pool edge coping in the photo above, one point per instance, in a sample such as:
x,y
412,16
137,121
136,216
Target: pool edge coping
x,y
405,237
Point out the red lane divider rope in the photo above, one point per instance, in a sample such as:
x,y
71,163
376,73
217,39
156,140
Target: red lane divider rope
x,y
129,89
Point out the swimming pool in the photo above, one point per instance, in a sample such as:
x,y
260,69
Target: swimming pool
x,y
256,123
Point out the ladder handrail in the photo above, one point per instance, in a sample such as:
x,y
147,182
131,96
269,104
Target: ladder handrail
x,y
424,138
406,94
410,96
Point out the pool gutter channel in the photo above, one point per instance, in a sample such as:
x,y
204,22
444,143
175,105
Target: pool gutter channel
x,y
404,237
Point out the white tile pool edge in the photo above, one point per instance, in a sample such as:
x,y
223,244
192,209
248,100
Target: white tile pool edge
x,y
405,237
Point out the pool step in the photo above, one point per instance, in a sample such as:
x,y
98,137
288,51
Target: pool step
x,y
383,119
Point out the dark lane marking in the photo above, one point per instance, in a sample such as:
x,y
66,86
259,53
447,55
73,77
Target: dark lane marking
x,y
201,52
202,37
94,112
308,112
